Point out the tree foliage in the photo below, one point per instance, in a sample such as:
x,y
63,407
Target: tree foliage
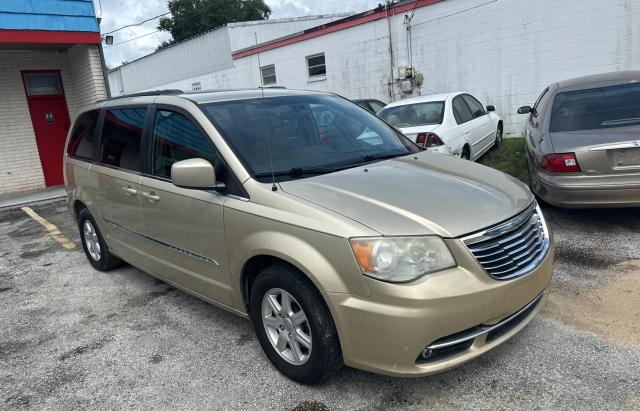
x,y
193,17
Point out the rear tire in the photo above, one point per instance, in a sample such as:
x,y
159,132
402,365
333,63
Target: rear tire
x,y
282,327
499,137
93,243
466,153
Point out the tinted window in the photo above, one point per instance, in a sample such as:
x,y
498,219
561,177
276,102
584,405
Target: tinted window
x,y
412,115
82,136
539,100
176,138
602,107
376,105
120,141
474,105
461,111
364,104
308,131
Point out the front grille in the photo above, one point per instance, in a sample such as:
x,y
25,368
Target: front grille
x,y
513,248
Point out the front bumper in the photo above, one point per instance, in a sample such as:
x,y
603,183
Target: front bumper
x,y
388,332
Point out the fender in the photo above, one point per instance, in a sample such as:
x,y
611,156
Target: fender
x,y
309,259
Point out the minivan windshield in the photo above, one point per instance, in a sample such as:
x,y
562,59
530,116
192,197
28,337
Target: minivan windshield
x,y
412,115
298,136
596,108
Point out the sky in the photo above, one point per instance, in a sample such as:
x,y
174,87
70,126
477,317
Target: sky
x,y
118,13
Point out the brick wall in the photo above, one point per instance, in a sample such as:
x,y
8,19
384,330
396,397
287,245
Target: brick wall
x,y
20,168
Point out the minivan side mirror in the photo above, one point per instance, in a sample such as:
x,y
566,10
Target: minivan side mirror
x,y
525,110
491,108
194,173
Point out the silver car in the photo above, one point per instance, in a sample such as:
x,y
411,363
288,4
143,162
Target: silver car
x,y
583,141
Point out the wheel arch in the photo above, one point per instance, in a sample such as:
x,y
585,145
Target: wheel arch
x,y
78,206
339,274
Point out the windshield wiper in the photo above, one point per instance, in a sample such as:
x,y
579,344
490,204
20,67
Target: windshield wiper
x,y
298,172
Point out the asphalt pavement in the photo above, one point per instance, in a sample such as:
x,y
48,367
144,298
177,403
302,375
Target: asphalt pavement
x,y
73,337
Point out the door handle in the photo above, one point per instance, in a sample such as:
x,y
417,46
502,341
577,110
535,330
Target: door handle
x,y
150,196
128,191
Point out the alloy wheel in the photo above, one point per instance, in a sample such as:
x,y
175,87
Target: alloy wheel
x,y
91,240
286,325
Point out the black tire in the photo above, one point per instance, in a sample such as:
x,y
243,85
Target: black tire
x,y
499,137
106,260
466,153
325,356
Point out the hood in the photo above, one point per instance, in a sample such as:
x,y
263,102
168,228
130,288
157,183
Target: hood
x,y
433,194
412,132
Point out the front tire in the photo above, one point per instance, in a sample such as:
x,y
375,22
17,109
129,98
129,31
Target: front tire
x,y
94,245
294,326
499,137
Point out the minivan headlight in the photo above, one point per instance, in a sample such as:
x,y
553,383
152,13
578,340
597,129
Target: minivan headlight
x,y
401,259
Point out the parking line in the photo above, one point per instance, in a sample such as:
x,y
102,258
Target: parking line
x,y
52,229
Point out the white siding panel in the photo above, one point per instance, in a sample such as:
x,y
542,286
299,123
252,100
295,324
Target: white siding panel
x,y
202,54
241,35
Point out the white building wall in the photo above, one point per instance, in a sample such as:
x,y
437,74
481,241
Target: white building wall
x,y
241,35
203,54
505,52
210,52
20,168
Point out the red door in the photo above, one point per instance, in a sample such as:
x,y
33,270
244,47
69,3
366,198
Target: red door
x,y
50,119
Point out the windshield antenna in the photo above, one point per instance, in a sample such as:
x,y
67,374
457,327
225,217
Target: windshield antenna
x,y
274,187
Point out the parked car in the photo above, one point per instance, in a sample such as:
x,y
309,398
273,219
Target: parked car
x,y
372,105
244,200
583,141
453,123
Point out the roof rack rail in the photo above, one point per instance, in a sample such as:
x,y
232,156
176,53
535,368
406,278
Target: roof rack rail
x,y
146,93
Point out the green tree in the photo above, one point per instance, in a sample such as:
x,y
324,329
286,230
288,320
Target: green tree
x,y
192,17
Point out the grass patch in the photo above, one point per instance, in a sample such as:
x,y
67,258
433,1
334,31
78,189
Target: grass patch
x,y
508,158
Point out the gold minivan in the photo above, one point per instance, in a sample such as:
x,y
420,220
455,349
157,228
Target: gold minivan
x,y
341,240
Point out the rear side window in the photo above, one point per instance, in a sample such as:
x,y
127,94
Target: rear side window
x,y
176,138
461,111
412,115
121,135
474,105
83,135
596,108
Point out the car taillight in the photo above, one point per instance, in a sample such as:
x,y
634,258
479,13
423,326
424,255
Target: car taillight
x,y
560,163
428,140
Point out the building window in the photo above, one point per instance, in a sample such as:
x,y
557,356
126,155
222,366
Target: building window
x,y
316,65
268,74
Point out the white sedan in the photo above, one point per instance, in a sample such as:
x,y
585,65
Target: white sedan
x,y
453,123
